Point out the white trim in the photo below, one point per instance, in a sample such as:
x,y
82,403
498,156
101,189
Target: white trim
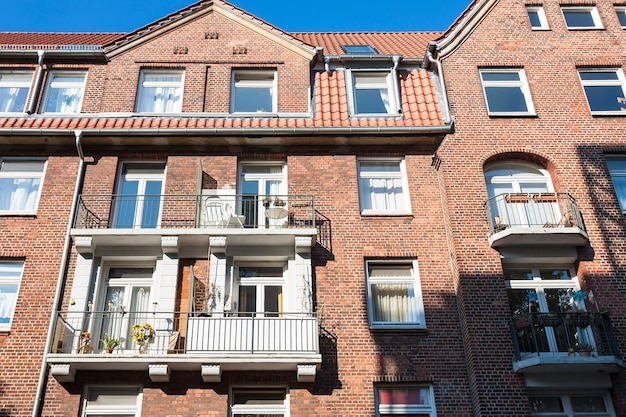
x,y
147,84
112,410
541,15
621,10
521,84
24,175
593,12
401,409
236,409
257,78
414,279
619,82
74,84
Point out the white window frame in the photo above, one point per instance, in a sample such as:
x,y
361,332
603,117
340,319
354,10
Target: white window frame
x,y
567,404
8,271
254,79
617,173
32,174
593,12
53,84
541,15
386,81
142,99
365,201
413,279
403,409
244,409
21,80
521,85
621,11
620,82
359,49
113,410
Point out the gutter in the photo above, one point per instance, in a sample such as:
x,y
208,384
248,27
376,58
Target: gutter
x,y
295,131
43,373
429,55
37,87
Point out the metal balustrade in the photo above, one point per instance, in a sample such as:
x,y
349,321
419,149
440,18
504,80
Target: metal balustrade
x,y
532,210
79,333
571,333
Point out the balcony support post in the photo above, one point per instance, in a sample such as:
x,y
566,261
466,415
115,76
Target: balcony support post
x,y
211,372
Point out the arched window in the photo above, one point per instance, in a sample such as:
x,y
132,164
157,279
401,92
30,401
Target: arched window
x,y
521,194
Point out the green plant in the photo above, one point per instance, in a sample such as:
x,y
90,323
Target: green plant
x,y
583,347
110,342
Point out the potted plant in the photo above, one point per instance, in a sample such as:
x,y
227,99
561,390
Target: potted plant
x,y
267,200
110,343
584,349
142,333
278,202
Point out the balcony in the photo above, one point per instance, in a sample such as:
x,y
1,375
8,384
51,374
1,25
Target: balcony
x,y
534,219
581,342
245,220
208,343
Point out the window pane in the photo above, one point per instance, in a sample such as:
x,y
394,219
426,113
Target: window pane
x,y
588,403
65,92
505,99
578,18
523,301
605,98
404,396
500,76
552,274
273,298
533,16
371,93
598,75
621,15
394,302
546,404
253,99
247,299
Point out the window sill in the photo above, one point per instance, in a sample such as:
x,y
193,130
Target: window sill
x,y
398,327
512,115
608,113
386,214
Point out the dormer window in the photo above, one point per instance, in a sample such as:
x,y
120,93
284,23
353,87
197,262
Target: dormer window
x,y
372,93
14,87
253,92
64,92
358,49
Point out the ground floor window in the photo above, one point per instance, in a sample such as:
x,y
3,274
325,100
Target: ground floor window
x,y
572,405
405,400
112,402
251,402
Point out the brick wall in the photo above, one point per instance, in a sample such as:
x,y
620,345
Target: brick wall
x,y
563,138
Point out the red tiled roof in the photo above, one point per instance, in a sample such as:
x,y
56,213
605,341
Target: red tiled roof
x,y
409,44
15,40
420,105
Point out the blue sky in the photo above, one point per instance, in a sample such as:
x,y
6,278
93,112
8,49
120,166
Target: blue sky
x,y
289,15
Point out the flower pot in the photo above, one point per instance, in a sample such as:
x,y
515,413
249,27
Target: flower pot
x,y
584,353
108,350
143,348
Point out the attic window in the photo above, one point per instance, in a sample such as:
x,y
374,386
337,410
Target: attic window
x,y
359,49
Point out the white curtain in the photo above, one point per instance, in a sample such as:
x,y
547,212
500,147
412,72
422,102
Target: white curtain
x,y
19,194
384,96
158,95
394,303
8,296
64,100
383,193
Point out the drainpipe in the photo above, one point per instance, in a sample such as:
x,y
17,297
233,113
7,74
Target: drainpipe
x,y
43,374
33,99
396,87
431,58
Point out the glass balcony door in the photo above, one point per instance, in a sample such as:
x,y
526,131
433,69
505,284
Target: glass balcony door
x,y
137,204
256,182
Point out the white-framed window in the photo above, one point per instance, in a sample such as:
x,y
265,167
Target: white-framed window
x,y
621,15
260,290
506,92
604,90
537,18
64,92
581,17
259,402
372,93
258,180
571,405
383,186
394,294
20,185
137,204
160,91
112,402
407,400
617,170
253,91
14,88
10,279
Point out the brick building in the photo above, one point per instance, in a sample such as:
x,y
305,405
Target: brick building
x,y
533,185
209,216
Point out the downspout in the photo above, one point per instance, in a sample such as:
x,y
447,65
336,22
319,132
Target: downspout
x,y
396,87
447,118
33,99
43,374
